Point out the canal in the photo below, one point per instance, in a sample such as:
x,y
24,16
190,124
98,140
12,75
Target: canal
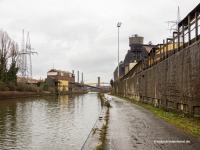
x,y
47,123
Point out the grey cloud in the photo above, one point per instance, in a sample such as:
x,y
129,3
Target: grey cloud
x,y
82,35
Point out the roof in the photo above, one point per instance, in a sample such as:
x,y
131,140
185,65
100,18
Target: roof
x,y
54,70
192,15
129,57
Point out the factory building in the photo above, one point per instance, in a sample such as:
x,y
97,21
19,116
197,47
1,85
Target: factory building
x,y
62,81
137,52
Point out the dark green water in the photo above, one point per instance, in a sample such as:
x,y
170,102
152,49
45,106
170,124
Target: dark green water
x,y
57,123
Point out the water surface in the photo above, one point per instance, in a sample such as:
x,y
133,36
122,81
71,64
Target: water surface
x,y
47,123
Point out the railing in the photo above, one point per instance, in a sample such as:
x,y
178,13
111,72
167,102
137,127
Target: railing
x,y
187,34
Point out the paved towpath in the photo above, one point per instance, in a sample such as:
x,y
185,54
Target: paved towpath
x,y
131,127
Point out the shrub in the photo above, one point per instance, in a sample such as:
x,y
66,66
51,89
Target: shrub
x,y
12,86
52,90
107,103
28,87
45,87
3,86
33,88
21,87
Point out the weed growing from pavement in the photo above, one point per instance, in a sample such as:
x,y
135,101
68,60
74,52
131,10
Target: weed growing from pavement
x,y
102,137
94,130
103,132
101,97
181,121
107,116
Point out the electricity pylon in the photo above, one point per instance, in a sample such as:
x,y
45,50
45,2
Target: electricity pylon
x,y
26,62
174,23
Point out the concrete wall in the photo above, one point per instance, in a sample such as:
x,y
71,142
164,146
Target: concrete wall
x,y
173,84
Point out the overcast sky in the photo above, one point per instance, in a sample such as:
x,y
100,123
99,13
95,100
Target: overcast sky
x,y
82,34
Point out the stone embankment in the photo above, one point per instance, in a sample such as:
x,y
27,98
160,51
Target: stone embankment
x,y
95,139
14,94
17,94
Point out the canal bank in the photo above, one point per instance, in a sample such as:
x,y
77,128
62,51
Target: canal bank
x,y
4,95
16,94
97,137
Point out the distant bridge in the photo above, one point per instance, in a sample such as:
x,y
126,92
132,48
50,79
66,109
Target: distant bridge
x,y
94,83
94,86
91,86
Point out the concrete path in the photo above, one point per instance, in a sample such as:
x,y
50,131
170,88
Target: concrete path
x,y
131,127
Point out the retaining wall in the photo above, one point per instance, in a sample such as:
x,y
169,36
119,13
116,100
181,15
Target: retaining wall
x,y
173,84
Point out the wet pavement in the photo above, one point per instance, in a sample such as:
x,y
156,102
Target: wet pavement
x,y
131,127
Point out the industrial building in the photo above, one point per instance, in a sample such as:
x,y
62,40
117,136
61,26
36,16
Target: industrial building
x,y
137,52
62,81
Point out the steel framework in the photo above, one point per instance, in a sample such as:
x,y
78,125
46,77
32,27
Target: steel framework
x,y
26,62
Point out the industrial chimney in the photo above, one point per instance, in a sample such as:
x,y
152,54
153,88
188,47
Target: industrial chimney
x,y
78,77
98,82
82,78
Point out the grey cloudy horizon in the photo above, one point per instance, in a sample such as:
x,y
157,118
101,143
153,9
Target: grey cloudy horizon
x,y
81,35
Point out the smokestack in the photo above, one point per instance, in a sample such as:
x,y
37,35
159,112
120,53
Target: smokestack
x,y
82,78
78,77
98,82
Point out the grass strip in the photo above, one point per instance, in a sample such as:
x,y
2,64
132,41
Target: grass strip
x,y
102,137
103,132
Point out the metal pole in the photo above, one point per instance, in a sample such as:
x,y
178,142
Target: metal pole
x,y
118,25
118,52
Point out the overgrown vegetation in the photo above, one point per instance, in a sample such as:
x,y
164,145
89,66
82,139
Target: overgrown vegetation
x,y
9,56
101,95
104,102
107,115
105,126
181,121
9,67
94,130
102,137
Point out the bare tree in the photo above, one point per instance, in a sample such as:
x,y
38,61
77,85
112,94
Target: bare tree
x,y
9,52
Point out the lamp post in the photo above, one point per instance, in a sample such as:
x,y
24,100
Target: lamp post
x,y
118,25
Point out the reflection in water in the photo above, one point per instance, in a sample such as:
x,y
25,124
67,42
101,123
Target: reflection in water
x,y
62,122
